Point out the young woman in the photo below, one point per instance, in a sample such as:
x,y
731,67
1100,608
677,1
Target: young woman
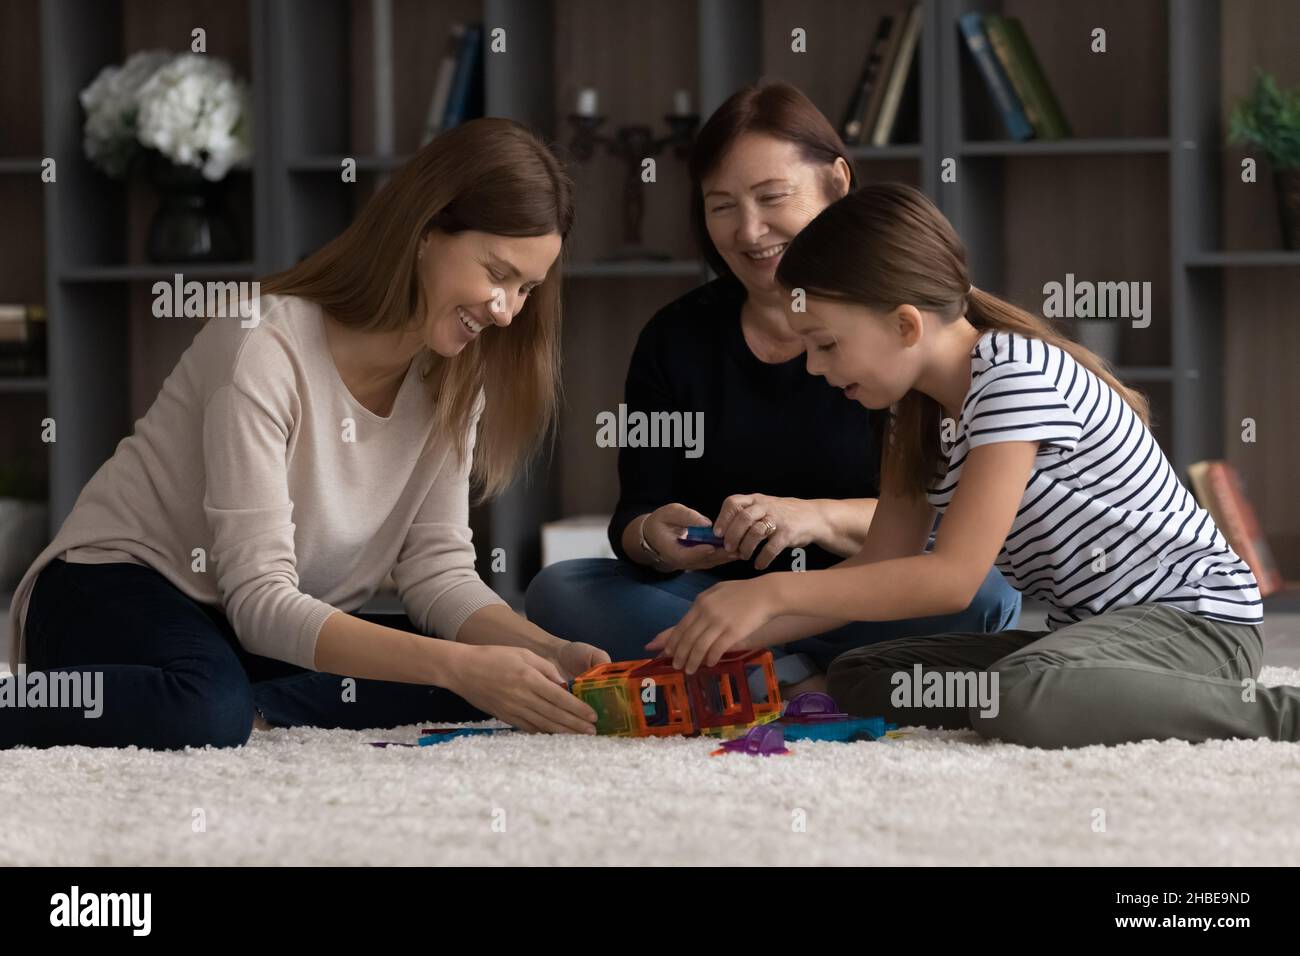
x,y
787,462
1043,465
209,567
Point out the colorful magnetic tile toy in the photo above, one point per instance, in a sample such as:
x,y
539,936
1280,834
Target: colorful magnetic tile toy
x,y
651,698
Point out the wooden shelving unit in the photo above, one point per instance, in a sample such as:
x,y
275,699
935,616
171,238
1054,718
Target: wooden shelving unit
x,y
1146,191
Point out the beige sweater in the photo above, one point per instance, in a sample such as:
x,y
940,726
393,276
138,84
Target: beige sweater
x,y
244,454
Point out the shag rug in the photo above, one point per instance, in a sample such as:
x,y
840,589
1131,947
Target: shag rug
x,y
934,797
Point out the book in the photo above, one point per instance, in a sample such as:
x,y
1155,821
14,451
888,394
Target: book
x,y
465,101
871,110
1221,492
442,84
1012,48
851,126
899,71
1017,124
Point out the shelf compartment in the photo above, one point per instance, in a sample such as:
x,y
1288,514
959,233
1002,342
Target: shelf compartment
x,y
1244,258
634,269
1097,146
158,270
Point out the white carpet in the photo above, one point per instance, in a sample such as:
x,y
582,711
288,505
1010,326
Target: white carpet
x,y
327,797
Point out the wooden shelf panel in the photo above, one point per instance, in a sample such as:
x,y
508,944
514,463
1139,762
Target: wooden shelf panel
x,y
151,271
1066,147
1244,258
20,165
1107,213
334,163
892,151
648,268
23,384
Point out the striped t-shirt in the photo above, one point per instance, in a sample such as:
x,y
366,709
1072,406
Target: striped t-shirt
x,y
1104,522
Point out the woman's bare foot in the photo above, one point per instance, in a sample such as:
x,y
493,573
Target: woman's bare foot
x,y
815,683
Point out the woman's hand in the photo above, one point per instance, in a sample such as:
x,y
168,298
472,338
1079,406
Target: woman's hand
x,y
722,619
664,529
521,688
743,521
573,658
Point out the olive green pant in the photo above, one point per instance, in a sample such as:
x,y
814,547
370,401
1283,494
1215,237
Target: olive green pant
x,y
1148,671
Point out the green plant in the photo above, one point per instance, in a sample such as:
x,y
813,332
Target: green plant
x,y
1269,119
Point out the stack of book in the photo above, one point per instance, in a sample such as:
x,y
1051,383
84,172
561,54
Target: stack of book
x,y
1014,78
22,340
885,104
1221,492
458,84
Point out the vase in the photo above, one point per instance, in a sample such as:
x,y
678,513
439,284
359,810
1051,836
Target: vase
x,y
1287,182
192,223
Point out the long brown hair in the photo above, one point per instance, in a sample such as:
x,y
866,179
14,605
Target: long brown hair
x,y
487,175
774,109
887,245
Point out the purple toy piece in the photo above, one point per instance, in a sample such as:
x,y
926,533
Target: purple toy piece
x,y
812,708
761,741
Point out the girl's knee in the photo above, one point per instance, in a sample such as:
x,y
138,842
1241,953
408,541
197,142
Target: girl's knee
x,y
859,681
1018,711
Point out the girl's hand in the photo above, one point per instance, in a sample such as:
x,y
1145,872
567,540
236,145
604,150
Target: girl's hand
x,y
743,521
664,529
573,658
722,619
521,688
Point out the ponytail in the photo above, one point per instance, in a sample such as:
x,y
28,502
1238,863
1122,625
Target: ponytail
x,y
885,245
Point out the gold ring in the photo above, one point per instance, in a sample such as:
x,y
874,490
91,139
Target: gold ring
x,y
771,528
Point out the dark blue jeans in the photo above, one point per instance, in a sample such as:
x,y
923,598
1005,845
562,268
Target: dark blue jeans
x,y
619,606
174,673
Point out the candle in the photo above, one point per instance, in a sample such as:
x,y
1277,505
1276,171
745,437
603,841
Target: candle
x,y
586,102
682,103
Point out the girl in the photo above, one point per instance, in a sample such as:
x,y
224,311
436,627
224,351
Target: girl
x,y
766,162
210,566
1041,463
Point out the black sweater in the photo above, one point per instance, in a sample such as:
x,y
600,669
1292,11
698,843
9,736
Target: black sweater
x,y
770,429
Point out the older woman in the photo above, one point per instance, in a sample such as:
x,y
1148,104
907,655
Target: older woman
x,y
210,568
790,471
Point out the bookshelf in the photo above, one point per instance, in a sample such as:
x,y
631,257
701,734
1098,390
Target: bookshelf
x,y
1146,191
22,239
1149,155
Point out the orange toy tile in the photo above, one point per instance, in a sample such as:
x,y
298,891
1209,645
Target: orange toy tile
x,y
651,698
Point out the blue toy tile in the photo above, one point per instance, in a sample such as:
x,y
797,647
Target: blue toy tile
x,y
441,734
845,731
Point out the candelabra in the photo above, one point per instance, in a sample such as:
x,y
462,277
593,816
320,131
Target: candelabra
x,y
633,145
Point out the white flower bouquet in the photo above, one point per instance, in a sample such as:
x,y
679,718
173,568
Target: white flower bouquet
x,y
189,107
